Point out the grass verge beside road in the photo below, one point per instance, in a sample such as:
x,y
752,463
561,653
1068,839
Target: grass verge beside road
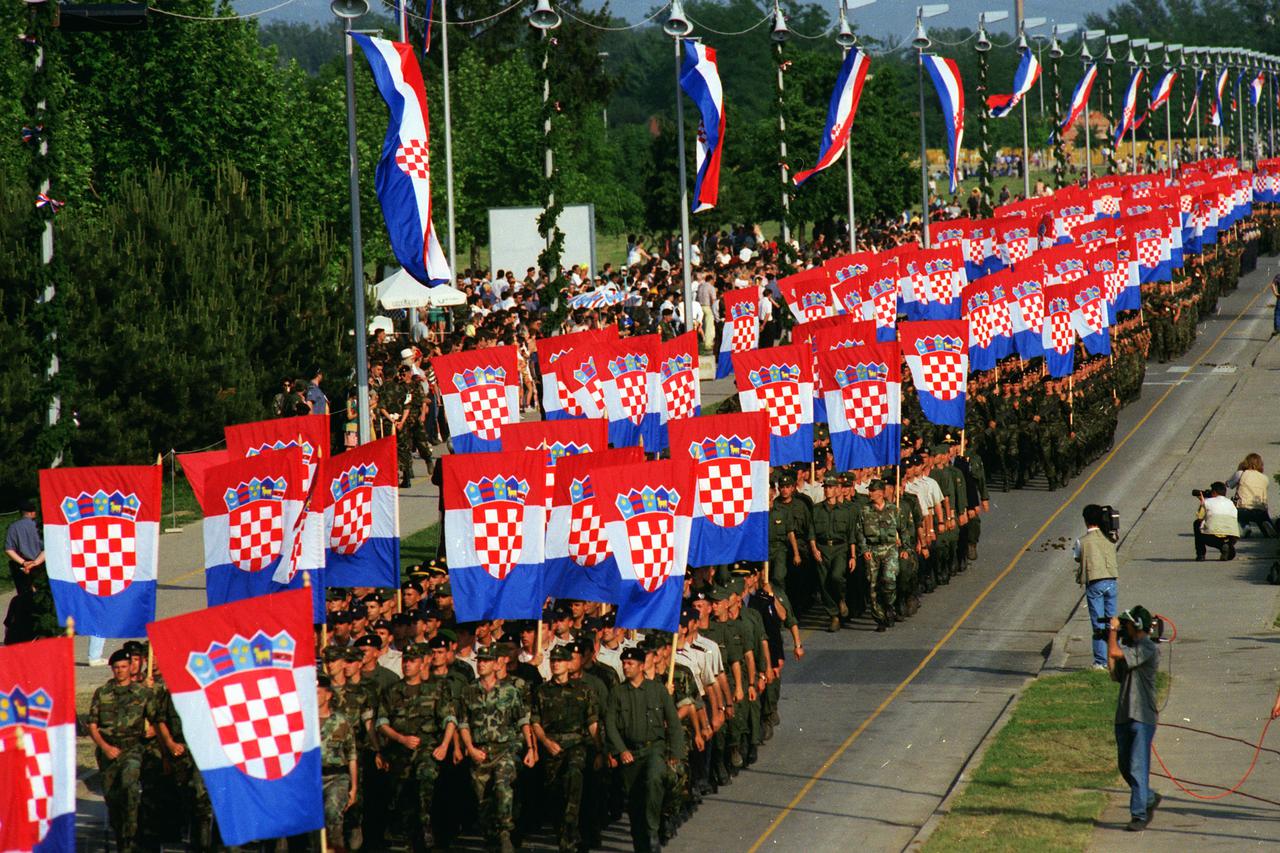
x,y
1041,785
419,547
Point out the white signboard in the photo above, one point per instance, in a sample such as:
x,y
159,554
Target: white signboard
x,y
514,241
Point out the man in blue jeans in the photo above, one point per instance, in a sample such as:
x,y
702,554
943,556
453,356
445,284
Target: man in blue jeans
x,y
1275,319
1096,555
1134,664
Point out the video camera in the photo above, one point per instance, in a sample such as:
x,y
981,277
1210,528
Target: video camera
x,y
1110,526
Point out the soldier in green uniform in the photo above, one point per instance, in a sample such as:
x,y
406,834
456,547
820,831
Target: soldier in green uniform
x,y
417,722
413,430
338,771
358,700
833,533
975,479
957,497
393,402
729,636
494,723
879,537
118,726
566,718
790,539
194,810
645,737
907,601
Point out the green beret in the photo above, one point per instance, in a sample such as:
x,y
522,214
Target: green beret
x,y
937,449
415,650
736,585
332,653
832,478
786,479
486,653
561,652
875,484
719,593
351,654
449,634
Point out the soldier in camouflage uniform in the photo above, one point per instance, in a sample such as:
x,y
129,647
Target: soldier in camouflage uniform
x,y
337,759
879,539
907,601
393,399
565,719
417,721
413,430
118,725
358,701
494,723
195,810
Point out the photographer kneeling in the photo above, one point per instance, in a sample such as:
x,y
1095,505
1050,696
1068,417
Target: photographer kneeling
x,y
1216,524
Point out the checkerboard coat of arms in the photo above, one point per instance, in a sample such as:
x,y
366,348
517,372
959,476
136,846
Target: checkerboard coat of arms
x,y
352,494
588,544
255,522
864,391
777,388
630,373
483,394
102,529
942,365
497,517
649,517
723,470
680,386
24,741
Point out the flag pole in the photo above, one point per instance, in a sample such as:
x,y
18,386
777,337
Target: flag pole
x,y
924,158
848,182
685,273
671,668
71,626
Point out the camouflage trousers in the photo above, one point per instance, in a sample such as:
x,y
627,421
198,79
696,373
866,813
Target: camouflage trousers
x,y
493,780
882,581
122,790
563,782
412,438
337,788
413,786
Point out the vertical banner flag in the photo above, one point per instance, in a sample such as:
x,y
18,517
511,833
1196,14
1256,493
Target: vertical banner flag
x,y
403,177
481,389
1215,109
243,680
1195,100
679,391
1089,314
1024,78
1059,336
946,80
937,351
741,326
864,404
805,333
1129,111
252,510
1079,100
939,282
700,80
494,532
808,294
38,746
626,368
647,511
196,466
570,382
840,112
726,459
101,537
1255,88
987,314
359,495
1025,299
779,382
579,562
556,440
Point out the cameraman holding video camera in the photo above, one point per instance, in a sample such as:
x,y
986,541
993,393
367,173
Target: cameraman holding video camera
x,y
1096,555
1217,524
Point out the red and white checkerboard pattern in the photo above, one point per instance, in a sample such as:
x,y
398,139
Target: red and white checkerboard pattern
x,y
813,312
1032,311
941,286
633,392
1107,205
38,766
651,537
1095,315
866,407
256,534
499,535
681,391
352,521
568,402
414,158
781,402
588,544
1149,252
595,389
295,550
258,715
1000,322
980,327
976,251
104,554
1061,335
943,375
743,336
486,410
1115,281
886,310
724,491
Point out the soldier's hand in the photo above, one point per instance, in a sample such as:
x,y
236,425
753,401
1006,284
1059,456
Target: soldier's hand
x,y
112,752
440,752
178,750
477,755
530,758
795,558
751,693
351,798
411,741
673,763
904,554
866,555
986,505
613,762
379,761
553,747
626,757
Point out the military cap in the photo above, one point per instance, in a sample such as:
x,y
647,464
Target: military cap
x,y
736,585
486,653
425,613
846,478
687,615
133,647
949,440
774,476
786,478
322,680
562,652
875,484
351,654
445,590
418,576
608,620
368,641
915,460
437,642
380,625
332,653
401,620
411,585
415,650
743,569
591,624
341,616
633,653
449,634
700,595
561,611
117,656
937,450
377,595
505,650
335,593
719,593
832,478
820,431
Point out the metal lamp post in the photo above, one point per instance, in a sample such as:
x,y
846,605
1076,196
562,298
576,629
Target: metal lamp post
x,y
983,47
920,41
545,19
779,36
678,27
1133,62
1108,106
847,41
1085,59
1060,145
1024,25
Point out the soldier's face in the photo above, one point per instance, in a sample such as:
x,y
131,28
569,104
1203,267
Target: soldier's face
x,y
631,667
323,695
439,657
122,671
411,666
486,668
335,667
411,598
559,667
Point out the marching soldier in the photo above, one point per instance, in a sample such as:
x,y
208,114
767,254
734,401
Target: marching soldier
x,y
832,533
565,719
790,539
118,726
879,539
337,761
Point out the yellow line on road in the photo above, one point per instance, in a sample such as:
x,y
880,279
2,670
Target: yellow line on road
x,y
862,727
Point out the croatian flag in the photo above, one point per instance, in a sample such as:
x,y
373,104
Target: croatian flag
x,y
806,334
627,370
403,177
937,351
38,746
1079,99
579,562
556,440
1195,99
678,386
481,390
987,313
779,382
808,294
1089,314
570,382
864,404
1215,110
840,113
1059,333
358,493
1023,80
700,80
1255,88
726,458
1129,112
1160,94
647,510
880,289
243,680
1129,298
101,535
939,282
946,80
849,266
252,509
741,326
1025,300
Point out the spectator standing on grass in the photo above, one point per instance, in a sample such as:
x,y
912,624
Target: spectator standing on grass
x,y
1097,571
1134,666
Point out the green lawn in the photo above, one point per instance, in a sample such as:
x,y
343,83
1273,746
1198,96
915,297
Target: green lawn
x,y
419,547
1041,784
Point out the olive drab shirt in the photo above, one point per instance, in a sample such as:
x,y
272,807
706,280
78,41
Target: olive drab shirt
x,y
565,711
638,717
121,713
832,524
787,518
494,717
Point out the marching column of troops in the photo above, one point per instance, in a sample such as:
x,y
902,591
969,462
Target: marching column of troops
x,y
432,729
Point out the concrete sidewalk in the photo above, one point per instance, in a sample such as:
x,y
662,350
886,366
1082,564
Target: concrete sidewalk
x,y
1223,663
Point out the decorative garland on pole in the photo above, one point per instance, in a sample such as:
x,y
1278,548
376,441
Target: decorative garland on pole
x,y
549,259
984,144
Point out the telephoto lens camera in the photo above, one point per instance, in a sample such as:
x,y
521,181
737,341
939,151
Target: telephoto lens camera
x,y
1111,523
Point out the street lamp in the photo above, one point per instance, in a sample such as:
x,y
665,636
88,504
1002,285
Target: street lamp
x,y
347,11
677,26
1086,60
1060,145
1133,62
1109,60
920,41
1023,47
545,19
847,41
779,35
983,47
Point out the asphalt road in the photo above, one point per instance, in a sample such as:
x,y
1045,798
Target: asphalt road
x,y
876,727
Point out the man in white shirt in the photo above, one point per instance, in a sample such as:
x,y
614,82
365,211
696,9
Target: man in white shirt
x,y
1217,525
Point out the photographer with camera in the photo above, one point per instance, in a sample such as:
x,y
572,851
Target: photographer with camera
x,y
1134,660
1096,570
1216,524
